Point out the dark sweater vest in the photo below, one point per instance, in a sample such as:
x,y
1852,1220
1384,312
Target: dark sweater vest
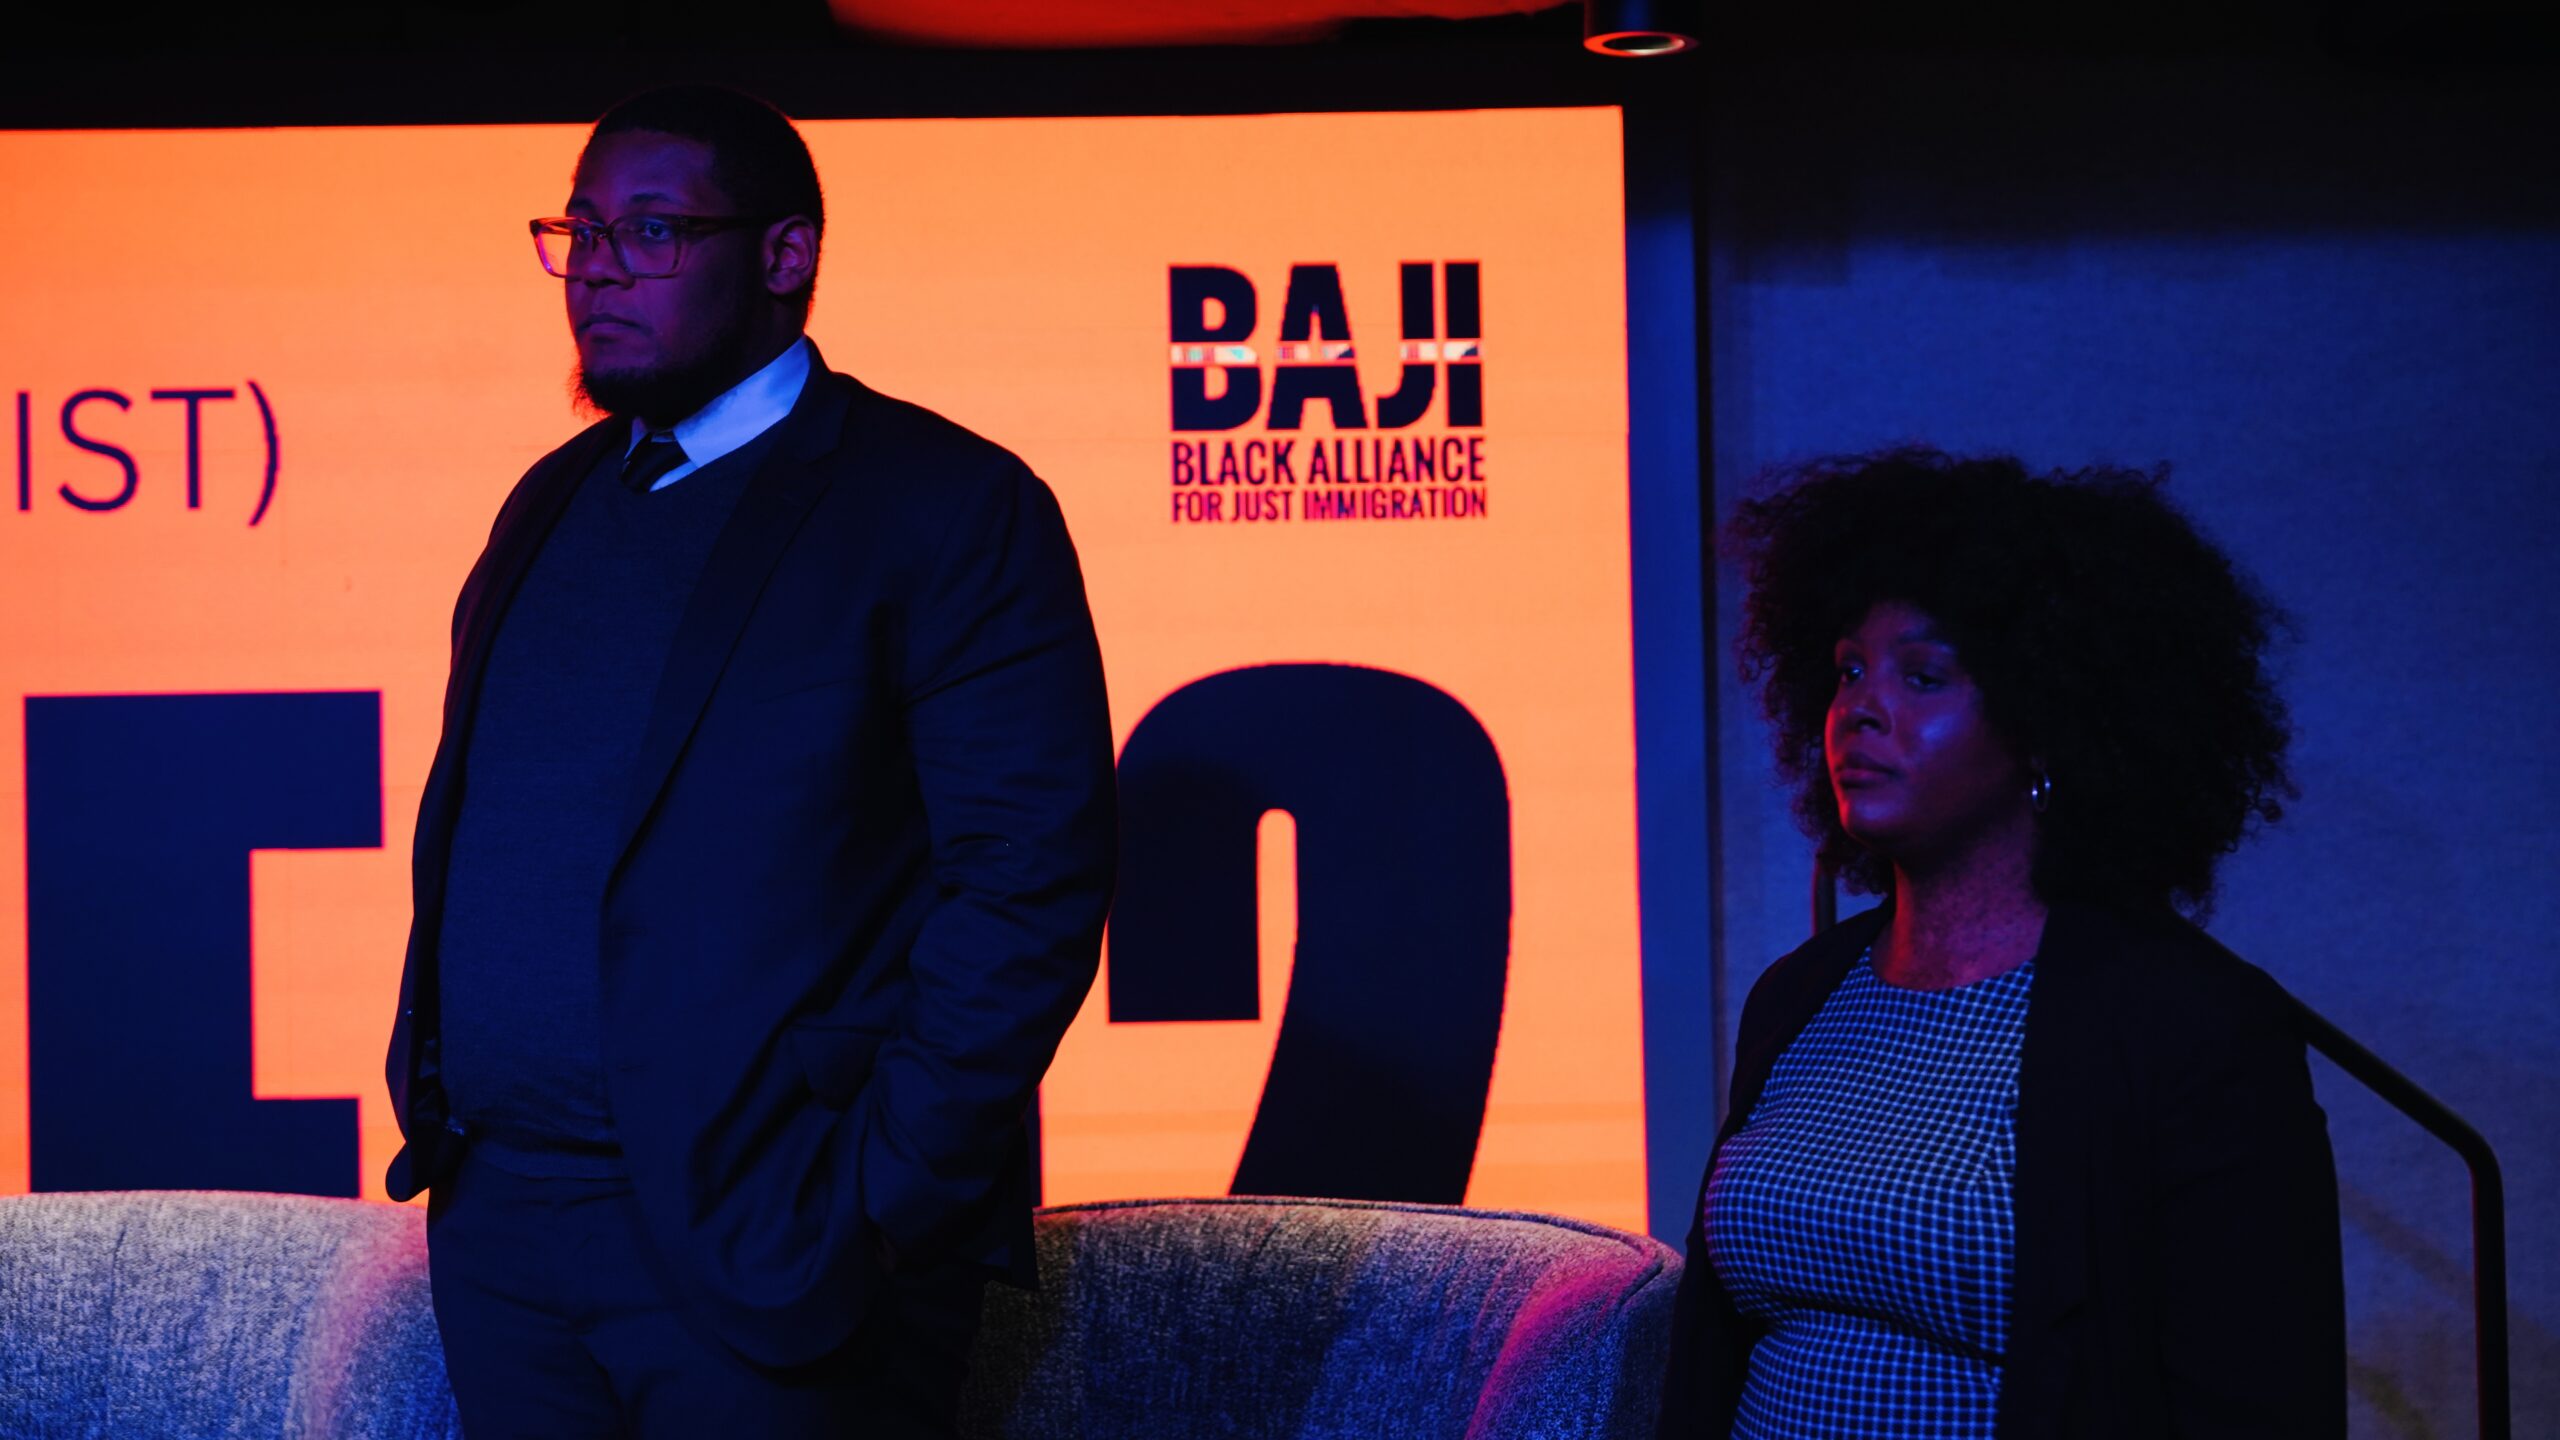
x,y
562,710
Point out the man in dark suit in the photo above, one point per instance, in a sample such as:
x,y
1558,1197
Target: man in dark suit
x,y
764,858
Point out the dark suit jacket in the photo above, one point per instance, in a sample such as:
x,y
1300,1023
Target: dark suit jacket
x,y
2177,1206
868,851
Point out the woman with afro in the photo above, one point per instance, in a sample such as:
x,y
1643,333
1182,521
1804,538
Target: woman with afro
x,y
2021,1152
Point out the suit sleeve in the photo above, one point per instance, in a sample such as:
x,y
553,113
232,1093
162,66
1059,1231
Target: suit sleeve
x,y
2254,1333
1010,737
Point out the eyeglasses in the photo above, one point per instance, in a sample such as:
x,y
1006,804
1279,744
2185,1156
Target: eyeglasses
x,y
648,247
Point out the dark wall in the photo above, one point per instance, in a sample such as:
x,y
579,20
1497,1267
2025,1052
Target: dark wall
x,y
2327,294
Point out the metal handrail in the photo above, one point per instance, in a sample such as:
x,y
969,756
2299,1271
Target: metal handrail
x,y
2488,1184
2488,1202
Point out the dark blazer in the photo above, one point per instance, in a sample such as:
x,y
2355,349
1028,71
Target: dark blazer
x,y
868,850
2177,1206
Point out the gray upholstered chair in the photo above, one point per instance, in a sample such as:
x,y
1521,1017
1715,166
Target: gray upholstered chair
x,y
208,1316
218,1315
1250,1318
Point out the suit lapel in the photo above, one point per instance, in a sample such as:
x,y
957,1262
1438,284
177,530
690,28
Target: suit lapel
x,y
491,586
777,498
2060,1074
1799,984
2058,1078
1781,1005
522,525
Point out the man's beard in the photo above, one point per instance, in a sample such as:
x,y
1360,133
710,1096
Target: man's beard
x,y
670,392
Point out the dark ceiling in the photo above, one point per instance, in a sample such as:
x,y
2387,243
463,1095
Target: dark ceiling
x,y
2458,30
92,63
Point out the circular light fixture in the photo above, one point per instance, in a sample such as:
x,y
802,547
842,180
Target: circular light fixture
x,y
1640,29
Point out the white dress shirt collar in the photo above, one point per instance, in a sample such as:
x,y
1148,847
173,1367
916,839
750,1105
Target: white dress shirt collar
x,y
739,414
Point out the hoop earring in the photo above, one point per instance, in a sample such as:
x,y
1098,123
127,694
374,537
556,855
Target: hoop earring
x,y
2040,794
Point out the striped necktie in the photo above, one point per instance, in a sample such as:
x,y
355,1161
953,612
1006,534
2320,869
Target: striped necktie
x,y
650,459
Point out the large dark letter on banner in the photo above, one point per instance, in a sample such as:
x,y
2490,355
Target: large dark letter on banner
x,y
1412,395
1466,322
1313,310
141,813
1191,289
1378,1079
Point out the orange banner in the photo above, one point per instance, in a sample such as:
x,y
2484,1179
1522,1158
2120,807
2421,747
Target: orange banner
x,y
1342,390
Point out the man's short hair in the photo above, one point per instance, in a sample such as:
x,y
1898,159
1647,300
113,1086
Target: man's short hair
x,y
757,158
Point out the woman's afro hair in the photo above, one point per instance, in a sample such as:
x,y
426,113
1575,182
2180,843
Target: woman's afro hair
x,y
2110,640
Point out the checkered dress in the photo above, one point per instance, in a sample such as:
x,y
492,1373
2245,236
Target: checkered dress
x,y
1863,1214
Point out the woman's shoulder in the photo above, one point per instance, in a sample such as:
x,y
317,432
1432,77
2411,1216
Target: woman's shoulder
x,y
2156,952
2158,978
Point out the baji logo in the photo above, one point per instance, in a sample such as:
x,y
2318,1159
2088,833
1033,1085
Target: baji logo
x,y
1316,359
1393,472
98,502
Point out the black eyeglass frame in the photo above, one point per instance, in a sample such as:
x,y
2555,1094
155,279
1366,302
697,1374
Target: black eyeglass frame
x,y
686,227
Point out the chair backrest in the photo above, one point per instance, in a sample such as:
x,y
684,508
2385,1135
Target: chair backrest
x,y
1254,1318
213,1315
